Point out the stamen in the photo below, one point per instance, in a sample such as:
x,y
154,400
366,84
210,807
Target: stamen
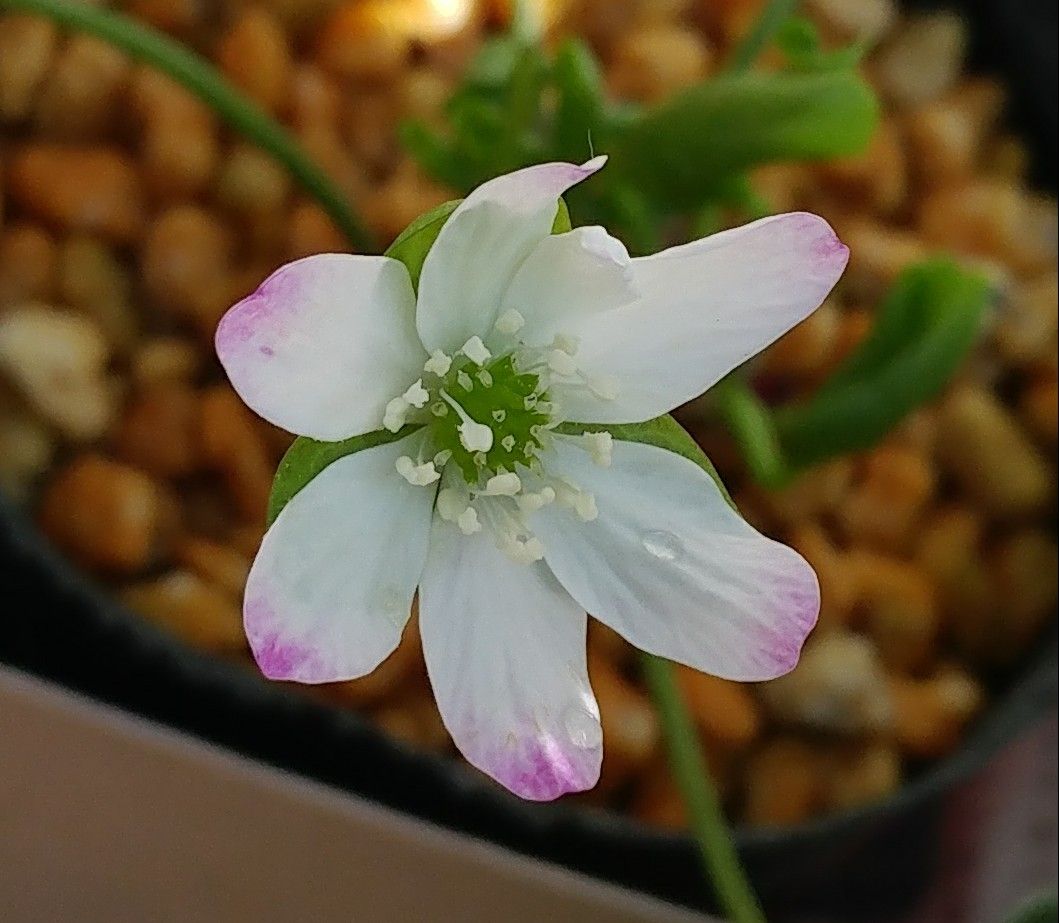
x,y
474,437
508,442
485,378
585,507
417,475
499,415
439,409
522,550
417,396
510,322
451,503
464,381
474,349
468,521
396,414
531,502
562,363
600,446
566,343
503,485
438,364
605,387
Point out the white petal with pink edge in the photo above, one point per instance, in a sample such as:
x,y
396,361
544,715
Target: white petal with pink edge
x,y
673,568
323,344
331,587
704,308
505,650
480,247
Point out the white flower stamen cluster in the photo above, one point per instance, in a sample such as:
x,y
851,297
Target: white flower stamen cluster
x,y
500,499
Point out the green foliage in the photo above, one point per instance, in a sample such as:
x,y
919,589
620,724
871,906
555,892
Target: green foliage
x,y
518,105
799,40
924,330
682,152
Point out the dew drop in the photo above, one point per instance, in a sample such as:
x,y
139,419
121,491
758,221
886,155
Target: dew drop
x,y
663,545
582,729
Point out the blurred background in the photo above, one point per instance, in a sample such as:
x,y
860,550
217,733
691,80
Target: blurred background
x,y
134,482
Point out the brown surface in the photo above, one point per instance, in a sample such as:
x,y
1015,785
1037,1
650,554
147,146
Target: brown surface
x,y
107,818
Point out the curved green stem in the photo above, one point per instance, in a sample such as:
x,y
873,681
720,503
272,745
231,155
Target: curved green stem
x,y
775,14
734,893
751,424
206,82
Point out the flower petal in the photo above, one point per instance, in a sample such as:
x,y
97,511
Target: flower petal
x,y
567,279
505,650
481,246
331,588
324,343
673,568
705,308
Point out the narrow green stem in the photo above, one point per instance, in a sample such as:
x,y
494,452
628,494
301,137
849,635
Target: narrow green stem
x,y
206,82
751,425
734,893
775,14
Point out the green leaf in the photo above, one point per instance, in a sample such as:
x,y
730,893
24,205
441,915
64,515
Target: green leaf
x,y
306,458
579,112
680,151
926,327
799,40
662,432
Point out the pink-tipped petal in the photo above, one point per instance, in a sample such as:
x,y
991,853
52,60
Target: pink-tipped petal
x,y
673,568
323,344
481,246
331,588
505,650
703,309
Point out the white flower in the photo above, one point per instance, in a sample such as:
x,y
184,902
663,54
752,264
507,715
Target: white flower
x,y
511,531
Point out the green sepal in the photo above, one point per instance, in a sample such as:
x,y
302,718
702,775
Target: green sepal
x,y
662,432
306,458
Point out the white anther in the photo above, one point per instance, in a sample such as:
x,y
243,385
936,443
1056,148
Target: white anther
x,y
508,442
417,475
417,396
396,414
442,458
474,349
468,521
451,503
585,507
464,380
475,437
503,485
562,363
485,378
566,343
510,322
531,502
605,387
600,446
438,364
523,551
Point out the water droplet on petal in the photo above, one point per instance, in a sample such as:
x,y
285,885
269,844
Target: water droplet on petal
x,y
582,728
663,545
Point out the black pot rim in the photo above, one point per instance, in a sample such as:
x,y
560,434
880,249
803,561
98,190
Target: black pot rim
x,y
1027,698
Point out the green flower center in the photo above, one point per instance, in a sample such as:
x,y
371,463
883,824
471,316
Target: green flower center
x,y
496,395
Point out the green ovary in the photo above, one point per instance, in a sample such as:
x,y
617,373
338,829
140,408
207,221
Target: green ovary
x,y
497,397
